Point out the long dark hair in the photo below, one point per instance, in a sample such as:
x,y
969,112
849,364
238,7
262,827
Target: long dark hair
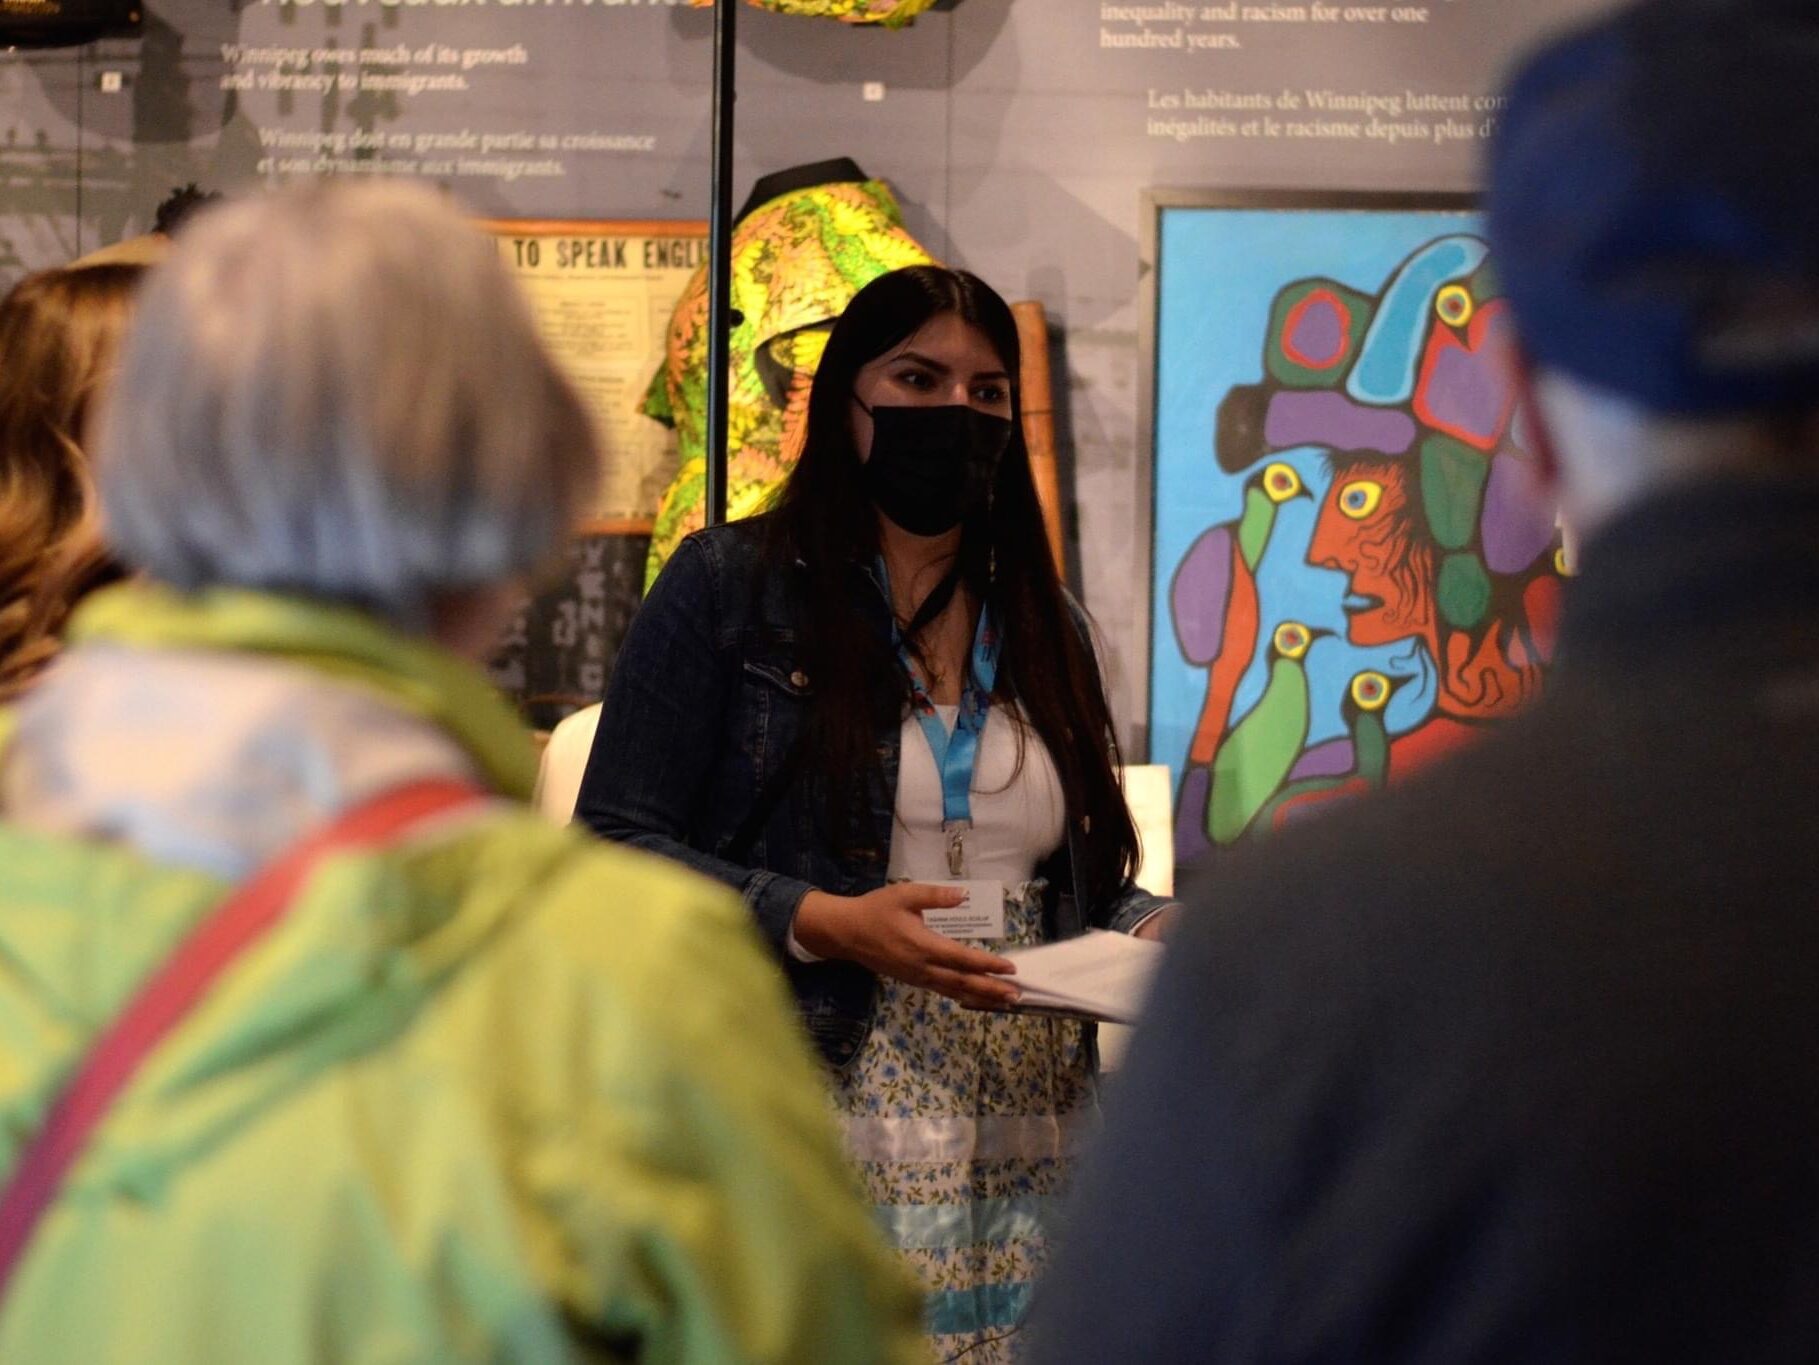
x,y
824,519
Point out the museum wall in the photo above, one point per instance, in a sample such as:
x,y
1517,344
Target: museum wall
x,y
1020,136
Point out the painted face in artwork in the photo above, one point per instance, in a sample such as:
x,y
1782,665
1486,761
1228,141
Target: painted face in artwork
x,y
1368,528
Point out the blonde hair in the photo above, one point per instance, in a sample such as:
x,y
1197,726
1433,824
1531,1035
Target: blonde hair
x,y
337,390
59,332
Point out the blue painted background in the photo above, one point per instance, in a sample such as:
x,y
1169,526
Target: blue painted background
x,y
1218,272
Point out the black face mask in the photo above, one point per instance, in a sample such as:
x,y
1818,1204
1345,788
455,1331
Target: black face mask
x,y
929,467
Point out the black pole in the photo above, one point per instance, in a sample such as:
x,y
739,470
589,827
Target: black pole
x,y
720,256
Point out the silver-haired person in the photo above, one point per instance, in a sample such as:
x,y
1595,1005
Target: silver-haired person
x,y
318,1044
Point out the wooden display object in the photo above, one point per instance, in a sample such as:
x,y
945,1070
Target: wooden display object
x,y
1039,423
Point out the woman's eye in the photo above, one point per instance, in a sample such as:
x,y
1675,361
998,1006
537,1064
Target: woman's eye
x,y
915,379
991,393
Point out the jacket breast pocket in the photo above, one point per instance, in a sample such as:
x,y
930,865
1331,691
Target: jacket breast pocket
x,y
777,696
782,674
773,705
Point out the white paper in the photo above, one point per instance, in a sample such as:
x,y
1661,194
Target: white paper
x,y
1100,975
979,916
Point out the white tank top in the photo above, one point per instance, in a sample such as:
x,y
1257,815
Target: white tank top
x,y
1019,816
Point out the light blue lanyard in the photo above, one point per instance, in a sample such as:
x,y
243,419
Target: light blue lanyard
x,y
956,755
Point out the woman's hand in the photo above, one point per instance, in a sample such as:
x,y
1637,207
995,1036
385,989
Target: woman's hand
x,y
883,930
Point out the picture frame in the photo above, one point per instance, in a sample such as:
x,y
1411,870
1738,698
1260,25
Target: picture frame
x,y
1298,348
603,292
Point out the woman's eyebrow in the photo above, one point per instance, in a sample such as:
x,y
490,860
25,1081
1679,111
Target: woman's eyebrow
x,y
927,361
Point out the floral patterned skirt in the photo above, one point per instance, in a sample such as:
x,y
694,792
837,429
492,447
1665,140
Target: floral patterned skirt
x,y
963,1125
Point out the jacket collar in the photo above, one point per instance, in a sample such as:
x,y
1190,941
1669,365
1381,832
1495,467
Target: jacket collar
x,y
344,644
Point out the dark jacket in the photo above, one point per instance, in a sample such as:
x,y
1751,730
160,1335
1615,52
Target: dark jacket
x,y
706,705
1520,1062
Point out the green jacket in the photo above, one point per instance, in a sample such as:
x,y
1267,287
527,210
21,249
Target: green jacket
x,y
890,13
502,1093
798,260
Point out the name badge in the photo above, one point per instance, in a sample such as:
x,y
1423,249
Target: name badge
x,y
980,915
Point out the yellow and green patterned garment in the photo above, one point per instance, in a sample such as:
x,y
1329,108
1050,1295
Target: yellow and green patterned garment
x,y
798,260
890,13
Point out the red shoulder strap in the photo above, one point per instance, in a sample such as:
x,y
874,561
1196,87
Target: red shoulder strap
x,y
179,985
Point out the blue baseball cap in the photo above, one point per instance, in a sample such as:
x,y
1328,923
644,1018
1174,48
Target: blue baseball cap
x,y
1654,205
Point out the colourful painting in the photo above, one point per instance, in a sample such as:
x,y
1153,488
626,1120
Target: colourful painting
x,y
1354,570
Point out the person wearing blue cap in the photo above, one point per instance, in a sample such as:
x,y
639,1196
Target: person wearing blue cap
x,y
1516,1062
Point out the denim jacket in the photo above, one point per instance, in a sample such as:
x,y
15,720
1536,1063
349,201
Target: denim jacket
x,y
706,704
